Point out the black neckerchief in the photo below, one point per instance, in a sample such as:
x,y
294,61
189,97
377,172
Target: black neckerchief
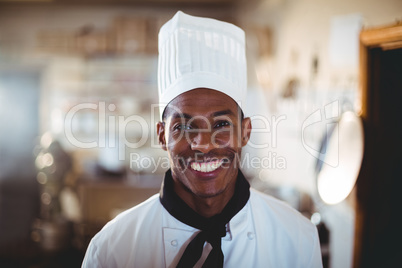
x,y
212,229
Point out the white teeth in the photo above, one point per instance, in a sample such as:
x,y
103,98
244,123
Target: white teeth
x,y
206,166
203,167
209,168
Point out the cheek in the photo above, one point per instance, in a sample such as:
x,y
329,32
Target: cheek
x,y
180,138
226,138
177,146
173,140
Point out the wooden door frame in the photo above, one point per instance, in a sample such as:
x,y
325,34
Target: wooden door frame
x,y
386,37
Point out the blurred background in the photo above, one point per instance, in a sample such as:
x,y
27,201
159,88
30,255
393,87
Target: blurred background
x,y
78,108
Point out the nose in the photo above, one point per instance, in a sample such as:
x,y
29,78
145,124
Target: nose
x,y
202,142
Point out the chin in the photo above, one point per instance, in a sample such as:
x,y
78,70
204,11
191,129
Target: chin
x,y
207,194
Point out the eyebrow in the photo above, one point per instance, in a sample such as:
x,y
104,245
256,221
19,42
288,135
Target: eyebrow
x,y
181,115
223,112
215,114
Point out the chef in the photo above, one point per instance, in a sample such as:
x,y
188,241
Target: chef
x,y
205,215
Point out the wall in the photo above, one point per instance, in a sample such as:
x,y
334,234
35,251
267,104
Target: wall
x,y
301,28
19,24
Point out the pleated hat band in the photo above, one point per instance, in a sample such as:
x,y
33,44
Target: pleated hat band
x,y
196,52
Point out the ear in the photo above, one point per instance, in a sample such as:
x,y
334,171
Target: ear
x,y
245,131
160,131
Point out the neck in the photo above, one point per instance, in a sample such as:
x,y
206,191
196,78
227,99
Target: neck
x,y
206,206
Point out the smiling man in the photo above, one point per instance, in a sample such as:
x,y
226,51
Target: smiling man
x,y
204,135
205,215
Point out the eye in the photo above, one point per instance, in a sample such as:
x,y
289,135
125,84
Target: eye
x,y
222,123
181,127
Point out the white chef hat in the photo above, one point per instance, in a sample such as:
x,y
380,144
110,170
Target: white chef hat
x,y
196,52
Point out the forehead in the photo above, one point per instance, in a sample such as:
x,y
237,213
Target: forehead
x,y
202,102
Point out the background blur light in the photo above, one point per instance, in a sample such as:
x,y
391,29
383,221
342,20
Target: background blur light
x,y
336,182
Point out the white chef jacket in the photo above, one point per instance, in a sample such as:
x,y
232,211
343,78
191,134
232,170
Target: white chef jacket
x,y
266,232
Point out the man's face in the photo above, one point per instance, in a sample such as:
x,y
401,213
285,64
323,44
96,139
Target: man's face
x,y
203,134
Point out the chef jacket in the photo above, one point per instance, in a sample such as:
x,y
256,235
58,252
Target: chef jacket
x,y
265,233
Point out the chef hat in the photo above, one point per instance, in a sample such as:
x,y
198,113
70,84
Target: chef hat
x,y
196,52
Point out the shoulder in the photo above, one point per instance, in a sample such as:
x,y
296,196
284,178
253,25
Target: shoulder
x,y
133,218
136,213
281,224
123,235
278,211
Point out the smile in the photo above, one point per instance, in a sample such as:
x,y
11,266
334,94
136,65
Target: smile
x,y
206,166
